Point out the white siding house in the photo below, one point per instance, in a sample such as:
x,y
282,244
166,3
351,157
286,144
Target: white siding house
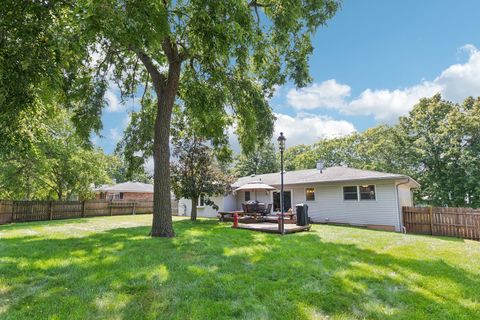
x,y
335,195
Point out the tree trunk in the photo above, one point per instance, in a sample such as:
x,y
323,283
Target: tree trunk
x,y
193,212
162,225
166,90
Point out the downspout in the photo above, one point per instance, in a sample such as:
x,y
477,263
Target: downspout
x,y
400,224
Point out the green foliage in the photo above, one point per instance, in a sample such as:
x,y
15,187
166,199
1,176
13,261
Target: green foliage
x,y
119,170
42,52
108,268
232,54
443,140
262,160
58,166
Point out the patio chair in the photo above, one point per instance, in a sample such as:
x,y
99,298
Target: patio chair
x,y
244,208
268,209
261,208
253,206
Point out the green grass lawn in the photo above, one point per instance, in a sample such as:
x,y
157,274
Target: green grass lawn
x,y
109,268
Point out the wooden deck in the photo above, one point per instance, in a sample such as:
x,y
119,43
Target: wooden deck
x,y
272,227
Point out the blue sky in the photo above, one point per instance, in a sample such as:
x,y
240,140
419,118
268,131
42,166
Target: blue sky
x,y
372,62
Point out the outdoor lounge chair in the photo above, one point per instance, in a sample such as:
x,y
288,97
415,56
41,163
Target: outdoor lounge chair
x,y
268,209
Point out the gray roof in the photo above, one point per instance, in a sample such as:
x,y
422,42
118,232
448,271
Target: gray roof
x,y
328,175
127,187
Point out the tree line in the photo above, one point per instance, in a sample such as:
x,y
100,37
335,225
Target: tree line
x,y
59,165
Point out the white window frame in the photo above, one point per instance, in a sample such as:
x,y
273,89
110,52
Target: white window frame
x,y
314,194
245,196
358,193
343,193
200,201
374,190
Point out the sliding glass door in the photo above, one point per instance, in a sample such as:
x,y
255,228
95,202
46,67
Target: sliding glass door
x,y
287,198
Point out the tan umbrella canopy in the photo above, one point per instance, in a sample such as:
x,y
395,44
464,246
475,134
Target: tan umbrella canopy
x,y
255,186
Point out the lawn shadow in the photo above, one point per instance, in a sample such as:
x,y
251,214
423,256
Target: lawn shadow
x,y
212,271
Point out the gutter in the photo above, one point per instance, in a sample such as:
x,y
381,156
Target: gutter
x,y
400,224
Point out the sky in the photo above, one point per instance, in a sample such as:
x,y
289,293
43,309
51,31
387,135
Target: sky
x,y
372,62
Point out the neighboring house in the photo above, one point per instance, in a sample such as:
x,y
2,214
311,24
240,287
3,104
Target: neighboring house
x,y
335,195
125,191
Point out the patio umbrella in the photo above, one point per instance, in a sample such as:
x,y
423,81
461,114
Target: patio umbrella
x,y
254,186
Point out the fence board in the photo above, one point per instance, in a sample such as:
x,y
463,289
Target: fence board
x,y
6,208
452,222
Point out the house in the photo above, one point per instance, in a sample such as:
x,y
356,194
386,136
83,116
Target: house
x,y
334,195
126,191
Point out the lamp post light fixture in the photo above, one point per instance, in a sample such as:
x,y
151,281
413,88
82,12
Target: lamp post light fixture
x,y
281,146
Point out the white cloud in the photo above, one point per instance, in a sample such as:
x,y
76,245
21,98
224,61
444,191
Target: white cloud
x,y
149,165
303,128
462,80
388,105
113,102
455,83
469,48
308,128
114,135
126,121
328,94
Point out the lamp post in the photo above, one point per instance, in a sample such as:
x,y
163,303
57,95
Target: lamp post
x,y
281,146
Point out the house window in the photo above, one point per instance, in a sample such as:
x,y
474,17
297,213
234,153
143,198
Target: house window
x,y
367,192
310,194
247,196
121,195
350,193
201,201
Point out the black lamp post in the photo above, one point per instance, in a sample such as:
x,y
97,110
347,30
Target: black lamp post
x,y
281,146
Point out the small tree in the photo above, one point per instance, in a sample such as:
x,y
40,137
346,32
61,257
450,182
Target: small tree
x,y
262,160
194,173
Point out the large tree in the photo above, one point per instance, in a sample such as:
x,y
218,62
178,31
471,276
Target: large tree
x,y
219,59
443,144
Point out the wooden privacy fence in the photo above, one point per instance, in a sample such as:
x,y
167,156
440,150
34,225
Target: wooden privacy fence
x,y
22,211
452,222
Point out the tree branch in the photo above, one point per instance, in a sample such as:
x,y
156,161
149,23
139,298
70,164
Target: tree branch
x,y
145,90
158,79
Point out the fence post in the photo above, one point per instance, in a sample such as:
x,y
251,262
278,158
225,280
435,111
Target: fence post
x,y
111,201
83,209
50,210
133,208
14,204
431,220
